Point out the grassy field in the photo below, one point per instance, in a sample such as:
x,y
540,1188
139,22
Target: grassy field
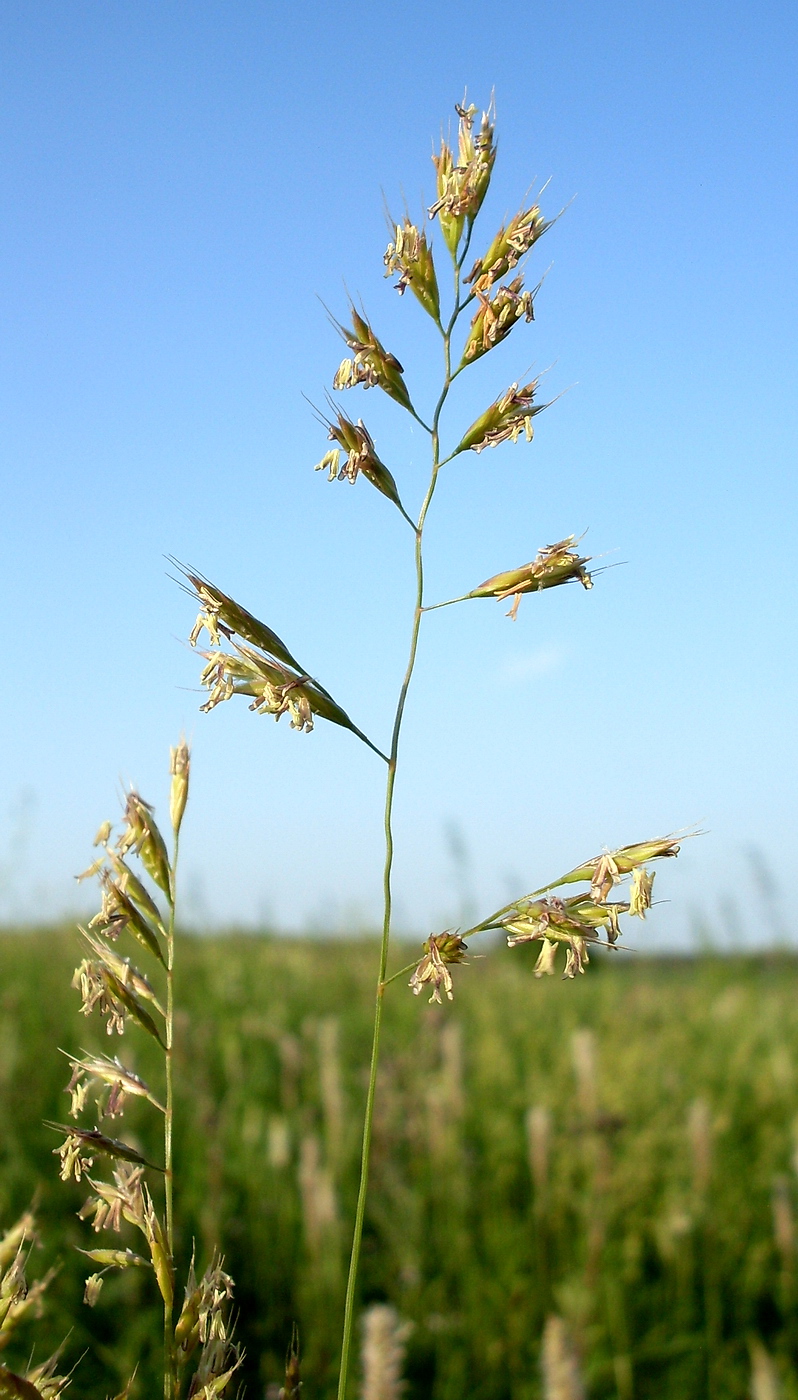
x,y
620,1150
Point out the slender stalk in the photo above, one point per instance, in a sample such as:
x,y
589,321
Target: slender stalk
x,y
168,1329
433,607
402,970
360,1210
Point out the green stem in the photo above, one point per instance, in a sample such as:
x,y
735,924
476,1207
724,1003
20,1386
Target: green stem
x,y
360,1209
412,411
168,1329
402,970
433,607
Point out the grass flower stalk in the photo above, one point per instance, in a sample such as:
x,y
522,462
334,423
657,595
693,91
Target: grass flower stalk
x,y
199,1358
247,658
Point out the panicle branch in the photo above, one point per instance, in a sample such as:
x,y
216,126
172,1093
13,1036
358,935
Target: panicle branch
x,y
575,921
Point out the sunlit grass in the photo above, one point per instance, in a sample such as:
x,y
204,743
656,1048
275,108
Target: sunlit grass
x,y
619,1150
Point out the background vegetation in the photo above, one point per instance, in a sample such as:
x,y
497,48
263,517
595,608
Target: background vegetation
x,y
621,1149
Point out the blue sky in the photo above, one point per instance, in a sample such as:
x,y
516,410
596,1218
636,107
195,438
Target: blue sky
x,y
182,185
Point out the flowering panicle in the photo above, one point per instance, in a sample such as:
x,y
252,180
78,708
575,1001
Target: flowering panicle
x,y
553,565
109,983
440,951
410,255
496,317
576,921
462,187
371,363
507,418
355,441
511,244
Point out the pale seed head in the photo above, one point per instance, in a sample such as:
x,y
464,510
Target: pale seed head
x,y
383,1353
562,1379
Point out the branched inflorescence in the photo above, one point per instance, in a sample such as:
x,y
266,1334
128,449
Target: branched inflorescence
x,y
199,1356
575,922
247,658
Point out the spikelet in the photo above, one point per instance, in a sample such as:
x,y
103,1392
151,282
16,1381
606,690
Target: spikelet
x,y
554,565
440,950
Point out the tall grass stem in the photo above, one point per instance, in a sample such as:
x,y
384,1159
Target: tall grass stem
x,y
360,1210
168,1328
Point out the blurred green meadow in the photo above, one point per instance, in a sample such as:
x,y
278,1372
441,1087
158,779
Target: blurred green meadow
x,y
621,1150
